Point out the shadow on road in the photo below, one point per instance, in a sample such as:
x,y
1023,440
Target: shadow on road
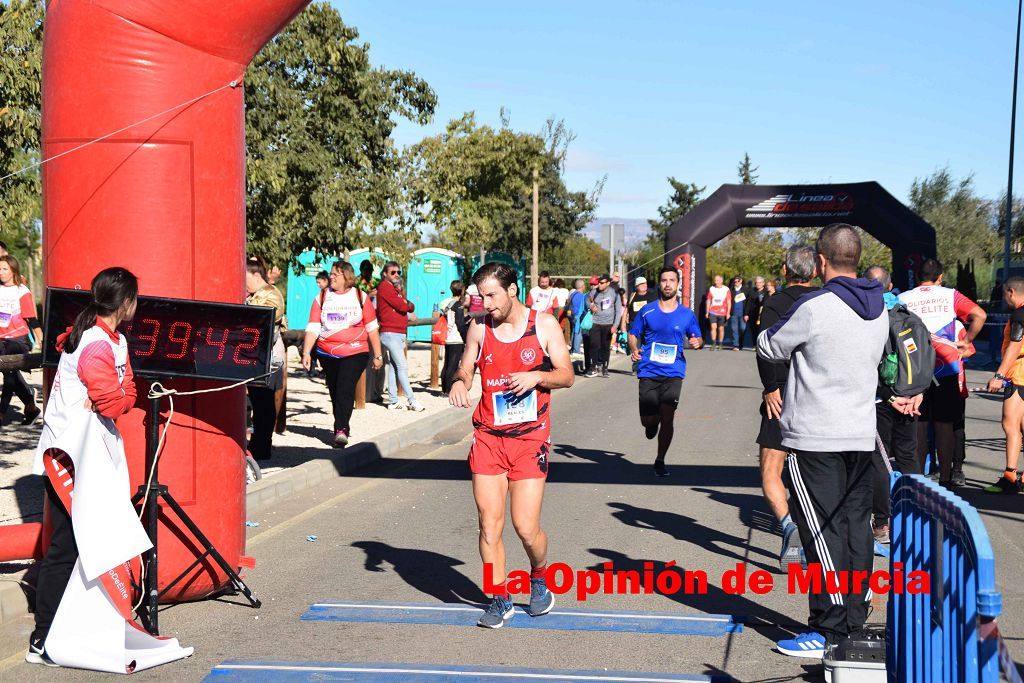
x,y
749,612
428,572
687,529
590,467
751,509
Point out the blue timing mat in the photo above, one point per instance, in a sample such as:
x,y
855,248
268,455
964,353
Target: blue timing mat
x,y
558,619
284,670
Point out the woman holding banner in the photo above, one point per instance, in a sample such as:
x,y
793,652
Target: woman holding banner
x,y
83,594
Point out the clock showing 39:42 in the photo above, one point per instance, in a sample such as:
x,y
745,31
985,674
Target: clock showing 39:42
x,y
178,337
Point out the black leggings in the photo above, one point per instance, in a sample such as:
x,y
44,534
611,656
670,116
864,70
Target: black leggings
x,y
600,343
56,567
452,358
14,383
264,417
342,376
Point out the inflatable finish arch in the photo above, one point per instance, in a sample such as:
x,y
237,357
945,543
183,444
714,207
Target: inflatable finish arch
x,y
165,199
730,207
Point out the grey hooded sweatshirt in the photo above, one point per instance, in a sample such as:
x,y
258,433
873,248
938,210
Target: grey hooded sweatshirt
x,y
834,339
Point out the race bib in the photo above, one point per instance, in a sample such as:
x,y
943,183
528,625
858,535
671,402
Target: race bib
x,y
606,304
5,319
510,409
664,353
740,298
335,319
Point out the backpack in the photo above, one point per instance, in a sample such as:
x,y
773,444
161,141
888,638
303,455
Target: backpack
x,y
439,332
908,362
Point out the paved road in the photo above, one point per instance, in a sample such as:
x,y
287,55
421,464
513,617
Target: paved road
x,y
404,530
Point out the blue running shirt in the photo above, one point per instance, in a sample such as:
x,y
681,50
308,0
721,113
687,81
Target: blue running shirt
x,y
662,337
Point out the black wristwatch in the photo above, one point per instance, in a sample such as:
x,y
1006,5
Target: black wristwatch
x,y
378,357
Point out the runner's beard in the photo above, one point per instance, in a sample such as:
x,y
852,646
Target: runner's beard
x,y
500,315
667,296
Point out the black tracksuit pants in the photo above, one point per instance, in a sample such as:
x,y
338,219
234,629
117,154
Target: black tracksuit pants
x,y
452,359
56,567
832,491
899,437
600,344
14,381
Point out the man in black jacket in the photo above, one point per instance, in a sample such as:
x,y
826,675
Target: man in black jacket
x,y
800,268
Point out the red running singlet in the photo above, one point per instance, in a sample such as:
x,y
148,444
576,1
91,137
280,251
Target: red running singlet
x,y
503,414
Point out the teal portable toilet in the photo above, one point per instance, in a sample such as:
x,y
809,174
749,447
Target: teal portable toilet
x,y
302,288
429,279
502,257
375,256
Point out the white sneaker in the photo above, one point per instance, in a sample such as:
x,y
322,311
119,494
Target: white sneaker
x,y
395,406
416,407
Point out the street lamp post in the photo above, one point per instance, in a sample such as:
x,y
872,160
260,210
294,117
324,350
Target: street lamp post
x,y
1013,126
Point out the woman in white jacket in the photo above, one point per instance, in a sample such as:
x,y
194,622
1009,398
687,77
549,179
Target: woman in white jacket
x,y
83,593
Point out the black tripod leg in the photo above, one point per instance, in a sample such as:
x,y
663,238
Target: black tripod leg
x,y
236,580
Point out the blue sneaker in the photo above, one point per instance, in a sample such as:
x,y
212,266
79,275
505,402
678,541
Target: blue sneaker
x,y
497,614
810,645
541,599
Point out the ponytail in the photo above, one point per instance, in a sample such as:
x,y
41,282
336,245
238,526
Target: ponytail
x,y
111,289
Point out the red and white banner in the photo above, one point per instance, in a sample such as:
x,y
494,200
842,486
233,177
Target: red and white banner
x,y
93,627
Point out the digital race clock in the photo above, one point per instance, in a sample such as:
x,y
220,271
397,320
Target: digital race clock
x,y
177,337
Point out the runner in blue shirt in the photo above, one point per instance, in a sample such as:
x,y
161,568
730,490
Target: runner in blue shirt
x,y
657,337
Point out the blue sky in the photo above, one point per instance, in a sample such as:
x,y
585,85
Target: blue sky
x,y
885,91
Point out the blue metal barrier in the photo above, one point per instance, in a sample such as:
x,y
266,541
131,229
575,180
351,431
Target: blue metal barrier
x,y
948,634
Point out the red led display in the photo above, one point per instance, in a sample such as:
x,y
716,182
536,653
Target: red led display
x,y
178,337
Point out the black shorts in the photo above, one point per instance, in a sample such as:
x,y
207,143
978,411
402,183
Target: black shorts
x,y
717,319
770,435
1011,389
656,391
943,402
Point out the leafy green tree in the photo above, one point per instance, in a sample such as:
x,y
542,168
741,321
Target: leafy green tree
x,y
872,251
577,255
21,25
682,200
962,220
476,182
748,252
322,170
746,171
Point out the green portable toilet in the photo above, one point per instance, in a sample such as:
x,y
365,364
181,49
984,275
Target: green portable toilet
x,y
302,288
502,257
429,279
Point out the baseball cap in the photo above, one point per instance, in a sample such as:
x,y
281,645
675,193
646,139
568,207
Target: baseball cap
x,y
640,281
594,279
604,278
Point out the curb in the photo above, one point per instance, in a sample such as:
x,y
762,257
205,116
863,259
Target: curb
x,y
263,494
267,492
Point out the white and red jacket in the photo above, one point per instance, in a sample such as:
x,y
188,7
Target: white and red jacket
x,y
16,307
342,322
940,308
98,370
81,452
541,300
719,301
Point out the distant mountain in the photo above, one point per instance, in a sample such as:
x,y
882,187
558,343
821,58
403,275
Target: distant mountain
x,y
636,229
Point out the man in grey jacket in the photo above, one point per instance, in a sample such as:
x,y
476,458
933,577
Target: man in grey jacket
x,y
834,340
606,306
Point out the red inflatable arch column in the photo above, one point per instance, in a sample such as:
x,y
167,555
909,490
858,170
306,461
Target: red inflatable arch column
x,y
165,199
